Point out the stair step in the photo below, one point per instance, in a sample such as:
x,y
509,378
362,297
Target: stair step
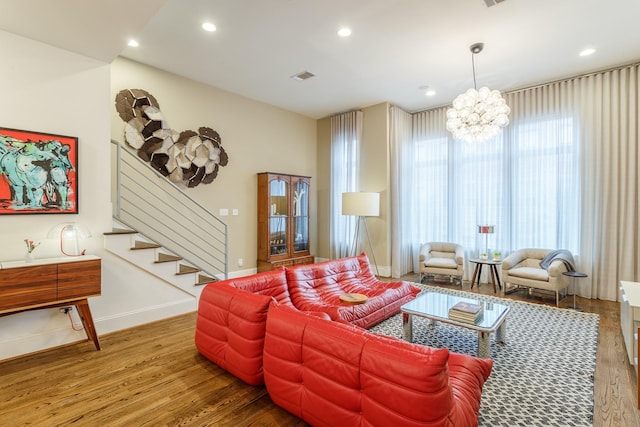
x,y
116,231
145,245
167,258
203,280
162,258
185,269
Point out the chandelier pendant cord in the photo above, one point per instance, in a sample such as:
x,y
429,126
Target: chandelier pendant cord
x,y
473,68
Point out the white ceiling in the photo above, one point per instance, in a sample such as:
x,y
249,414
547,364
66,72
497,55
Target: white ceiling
x,y
397,46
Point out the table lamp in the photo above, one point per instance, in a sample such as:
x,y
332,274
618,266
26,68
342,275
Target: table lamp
x,y
486,230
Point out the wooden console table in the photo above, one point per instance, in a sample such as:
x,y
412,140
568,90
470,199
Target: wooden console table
x,y
52,282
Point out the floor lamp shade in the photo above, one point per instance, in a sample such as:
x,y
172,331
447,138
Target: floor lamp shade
x,y
361,204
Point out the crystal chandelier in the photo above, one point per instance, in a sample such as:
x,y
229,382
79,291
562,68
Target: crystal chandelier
x,y
477,115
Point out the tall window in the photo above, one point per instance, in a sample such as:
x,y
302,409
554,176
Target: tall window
x,y
346,132
525,182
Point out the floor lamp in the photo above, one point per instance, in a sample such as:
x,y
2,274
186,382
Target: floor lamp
x,y
362,205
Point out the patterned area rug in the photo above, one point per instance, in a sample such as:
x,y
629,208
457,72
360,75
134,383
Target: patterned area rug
x,y
542,376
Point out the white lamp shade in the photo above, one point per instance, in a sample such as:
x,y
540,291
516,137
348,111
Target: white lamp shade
x,y
70,235
361,204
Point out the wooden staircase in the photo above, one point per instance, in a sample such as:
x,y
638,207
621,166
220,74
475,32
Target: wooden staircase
x,y
181,271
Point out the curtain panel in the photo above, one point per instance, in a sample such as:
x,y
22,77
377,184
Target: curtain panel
x,y
563,174
402,202
346,134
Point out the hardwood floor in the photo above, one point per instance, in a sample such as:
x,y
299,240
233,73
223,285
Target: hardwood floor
x,y
152,375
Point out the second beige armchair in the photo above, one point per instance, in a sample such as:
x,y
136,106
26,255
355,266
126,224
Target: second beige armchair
x,y
441,258
523,268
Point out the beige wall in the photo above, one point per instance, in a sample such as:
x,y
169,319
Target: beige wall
x,y
54,91
256,136
324,187
374,177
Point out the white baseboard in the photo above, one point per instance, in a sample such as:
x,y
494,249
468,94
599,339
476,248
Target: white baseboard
x,y
241,273
146,315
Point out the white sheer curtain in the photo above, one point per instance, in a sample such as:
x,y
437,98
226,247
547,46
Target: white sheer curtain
x,y
346,133
524,182
401,192
564,174
610,229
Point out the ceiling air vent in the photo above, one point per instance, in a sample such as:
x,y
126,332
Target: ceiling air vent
x,y
302,76
493,2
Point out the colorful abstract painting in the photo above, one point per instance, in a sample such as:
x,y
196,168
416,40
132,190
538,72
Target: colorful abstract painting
x,y
38,173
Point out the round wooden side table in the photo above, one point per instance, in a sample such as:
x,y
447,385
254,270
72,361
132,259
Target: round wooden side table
x,y
493,270
574,275
353,298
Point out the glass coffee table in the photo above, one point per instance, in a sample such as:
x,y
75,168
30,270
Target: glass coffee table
x,y
435,307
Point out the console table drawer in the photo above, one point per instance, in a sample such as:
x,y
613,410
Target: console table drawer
x,y
28,286
79,279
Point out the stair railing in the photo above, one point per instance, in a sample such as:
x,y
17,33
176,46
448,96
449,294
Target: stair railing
x,y
164,213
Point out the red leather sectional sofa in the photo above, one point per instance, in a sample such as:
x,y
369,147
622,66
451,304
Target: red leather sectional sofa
x,y
287,329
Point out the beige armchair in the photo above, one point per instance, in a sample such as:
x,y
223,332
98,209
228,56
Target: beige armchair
x,y
439,258
522,268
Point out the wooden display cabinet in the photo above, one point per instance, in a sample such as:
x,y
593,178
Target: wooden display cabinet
x,y
283,220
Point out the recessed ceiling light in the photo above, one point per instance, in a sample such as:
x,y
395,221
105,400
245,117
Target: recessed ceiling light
x,y
588,51
344,32
133,43
427,90
208,26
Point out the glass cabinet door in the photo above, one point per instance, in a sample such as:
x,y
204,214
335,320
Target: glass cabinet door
x,y
278,214
300,216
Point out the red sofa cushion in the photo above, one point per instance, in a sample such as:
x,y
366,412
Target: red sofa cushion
x,y
272,283
331,374
230,329
318,287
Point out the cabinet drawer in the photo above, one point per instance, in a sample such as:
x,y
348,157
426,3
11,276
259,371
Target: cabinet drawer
x,y
79,279
27,286
304,260
285,263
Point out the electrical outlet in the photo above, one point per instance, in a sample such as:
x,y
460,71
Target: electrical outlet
x,y
240,262
65,310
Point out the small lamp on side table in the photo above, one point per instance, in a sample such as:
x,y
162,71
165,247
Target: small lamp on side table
x,y
486,230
